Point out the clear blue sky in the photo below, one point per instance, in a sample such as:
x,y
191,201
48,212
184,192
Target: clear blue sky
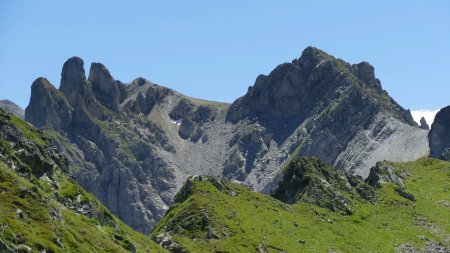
x,y
215,49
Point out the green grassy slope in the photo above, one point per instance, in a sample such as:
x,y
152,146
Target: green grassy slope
x,y
43,209
245,221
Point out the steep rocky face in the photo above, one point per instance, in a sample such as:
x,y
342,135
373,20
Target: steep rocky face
x,y
73,79
439,136
115,160
135,144
48,106
10,107
108,91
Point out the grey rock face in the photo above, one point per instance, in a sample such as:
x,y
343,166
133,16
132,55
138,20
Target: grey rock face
x,y
118,163
145,102
183,109
10,107
186,128
439,135
366,72
73,78
384,139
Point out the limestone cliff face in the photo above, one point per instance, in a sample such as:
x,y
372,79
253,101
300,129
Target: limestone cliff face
x,y
439,136
135,144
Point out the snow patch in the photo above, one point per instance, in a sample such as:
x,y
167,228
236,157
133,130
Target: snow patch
x,y
427,114
177,122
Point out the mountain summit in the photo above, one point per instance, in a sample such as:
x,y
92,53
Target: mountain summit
x,y
133,145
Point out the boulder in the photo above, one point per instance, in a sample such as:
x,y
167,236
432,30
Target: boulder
x,y
382,173
186,128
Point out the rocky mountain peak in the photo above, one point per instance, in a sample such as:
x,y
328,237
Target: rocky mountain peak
x,y
48,106
108,91
72,78
315,54
98,73
292,90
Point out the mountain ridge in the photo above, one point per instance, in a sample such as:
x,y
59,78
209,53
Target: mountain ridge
x,y
135,144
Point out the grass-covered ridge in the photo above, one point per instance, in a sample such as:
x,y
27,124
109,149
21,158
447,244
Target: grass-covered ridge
x,y
240,220
41,209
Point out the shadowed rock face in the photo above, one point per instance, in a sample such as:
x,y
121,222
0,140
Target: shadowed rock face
x,y
73,79
48,106
135,144
439,136
107,90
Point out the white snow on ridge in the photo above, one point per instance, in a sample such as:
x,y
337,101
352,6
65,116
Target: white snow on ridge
x,y
427,114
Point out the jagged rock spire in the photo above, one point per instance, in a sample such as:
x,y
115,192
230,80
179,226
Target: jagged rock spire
x,y
72,78
48,107
424,124
108,91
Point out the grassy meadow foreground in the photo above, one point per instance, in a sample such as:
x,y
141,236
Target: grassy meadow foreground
x,y
218,216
